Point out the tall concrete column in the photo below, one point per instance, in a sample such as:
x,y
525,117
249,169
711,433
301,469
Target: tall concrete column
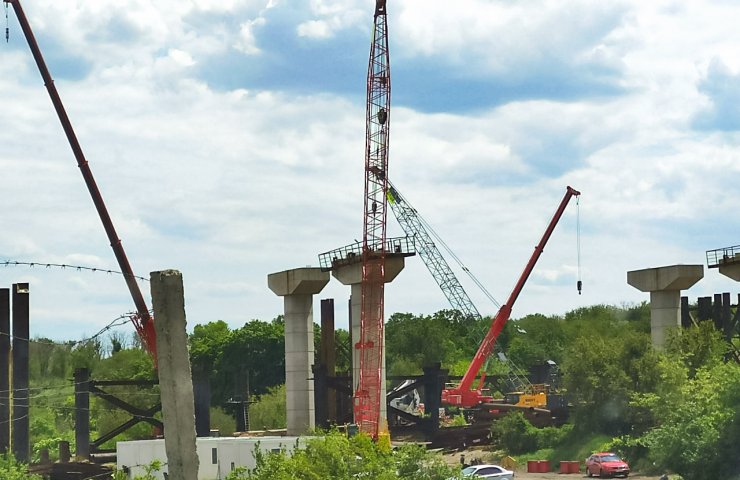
x,y
665,285
20,427
82,414
4,369
328,354
175,377
352,275
297,287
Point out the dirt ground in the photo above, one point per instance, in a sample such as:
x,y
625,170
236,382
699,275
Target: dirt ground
x,y
522,474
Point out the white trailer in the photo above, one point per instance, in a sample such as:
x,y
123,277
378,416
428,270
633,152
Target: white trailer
x,y
218,456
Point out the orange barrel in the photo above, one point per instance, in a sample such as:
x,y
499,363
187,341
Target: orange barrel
x,y
543,466
565,466
532,466
575,467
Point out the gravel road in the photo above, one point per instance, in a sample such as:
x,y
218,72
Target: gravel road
x,y
553,475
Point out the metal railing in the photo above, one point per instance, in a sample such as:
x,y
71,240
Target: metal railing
x,y
721,256
353,252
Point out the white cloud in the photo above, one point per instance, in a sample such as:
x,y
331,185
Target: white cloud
x,y
229,186
331,17
247,42
315,29
484,37
182,58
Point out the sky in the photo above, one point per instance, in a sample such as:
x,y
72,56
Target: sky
x,y
227,140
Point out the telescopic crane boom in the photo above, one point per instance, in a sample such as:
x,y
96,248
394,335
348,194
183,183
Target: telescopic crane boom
x,y
463,395
414,226
142,321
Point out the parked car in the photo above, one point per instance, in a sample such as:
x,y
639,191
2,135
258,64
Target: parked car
x,y
487,471
605,464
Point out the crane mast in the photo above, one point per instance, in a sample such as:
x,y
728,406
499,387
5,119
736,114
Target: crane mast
x,y
142,320
367,397
462,395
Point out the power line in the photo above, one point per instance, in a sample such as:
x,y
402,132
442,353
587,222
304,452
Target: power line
x,y
63,266
121,320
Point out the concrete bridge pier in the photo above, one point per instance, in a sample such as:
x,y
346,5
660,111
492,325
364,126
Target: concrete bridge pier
x,y
297,287
665,285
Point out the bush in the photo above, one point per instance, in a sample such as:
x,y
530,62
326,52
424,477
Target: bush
x,y
551,437
338,457
10,469
515,434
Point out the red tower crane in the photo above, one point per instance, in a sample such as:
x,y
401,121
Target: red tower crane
x,y
367,397
142,320
462,395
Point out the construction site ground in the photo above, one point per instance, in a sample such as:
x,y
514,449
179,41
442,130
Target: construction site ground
x,y
483,456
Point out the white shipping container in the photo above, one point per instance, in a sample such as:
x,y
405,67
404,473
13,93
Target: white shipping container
x,y
217,456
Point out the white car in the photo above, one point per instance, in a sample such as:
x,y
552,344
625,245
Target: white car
x,y
487,471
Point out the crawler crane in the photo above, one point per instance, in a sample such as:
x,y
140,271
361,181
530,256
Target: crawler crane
x,y
143,321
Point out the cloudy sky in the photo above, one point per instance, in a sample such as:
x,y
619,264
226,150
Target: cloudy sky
x,y
227,139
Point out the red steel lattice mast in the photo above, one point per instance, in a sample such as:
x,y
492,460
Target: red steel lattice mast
x,y
367,397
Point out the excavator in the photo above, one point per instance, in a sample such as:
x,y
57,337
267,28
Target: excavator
x,y
467,396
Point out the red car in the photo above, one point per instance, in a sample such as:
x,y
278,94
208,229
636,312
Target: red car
x,y
606,464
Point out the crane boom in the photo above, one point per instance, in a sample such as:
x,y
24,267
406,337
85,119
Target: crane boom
x,y
462,395
367,397
143,320
413,225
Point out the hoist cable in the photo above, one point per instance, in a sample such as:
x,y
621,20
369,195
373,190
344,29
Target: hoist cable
x,y
579,283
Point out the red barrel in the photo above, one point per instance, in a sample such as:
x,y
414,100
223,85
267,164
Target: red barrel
x,y
543,466
532,466
565,466
575,467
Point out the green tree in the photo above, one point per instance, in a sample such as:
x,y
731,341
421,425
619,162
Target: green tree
x,y
534,339
268,412
254,353
696,425
207,343
413,342
602,372
697,346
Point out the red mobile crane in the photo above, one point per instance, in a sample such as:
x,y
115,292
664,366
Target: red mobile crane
x,y
367,397
143,321
462,395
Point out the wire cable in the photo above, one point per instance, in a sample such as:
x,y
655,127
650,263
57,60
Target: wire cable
x,y
79,268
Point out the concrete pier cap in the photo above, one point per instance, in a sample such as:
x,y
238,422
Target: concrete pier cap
x,y
299,281
352,274
673,277
665,285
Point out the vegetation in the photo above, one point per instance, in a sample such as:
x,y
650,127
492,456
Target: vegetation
x,y
339,457
10,469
